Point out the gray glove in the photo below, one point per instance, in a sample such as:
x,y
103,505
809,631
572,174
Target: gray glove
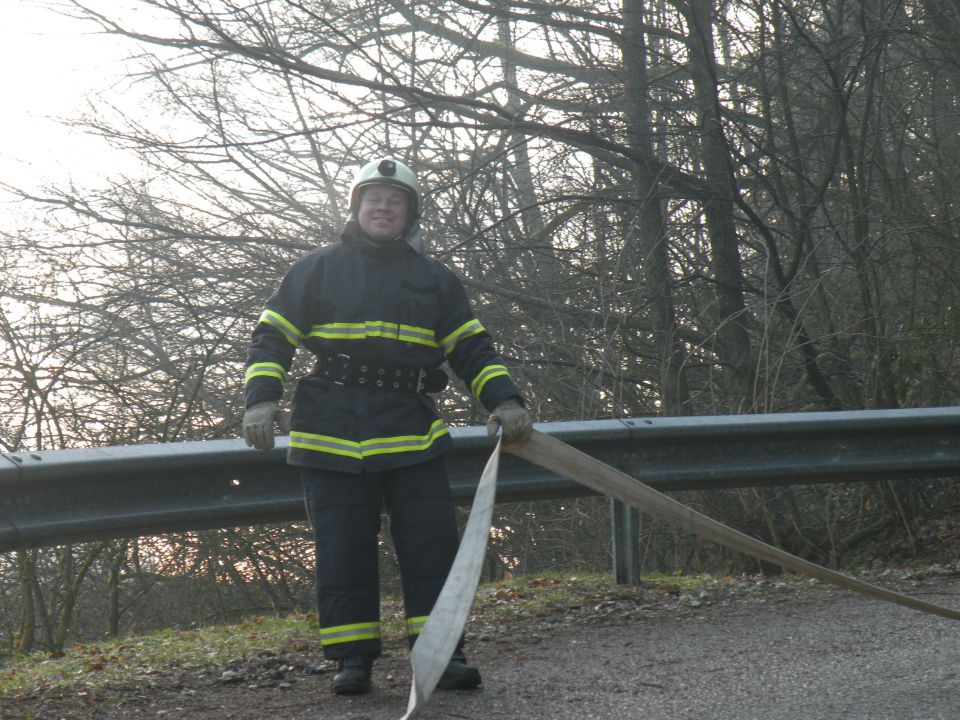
x,y
513,419
258,424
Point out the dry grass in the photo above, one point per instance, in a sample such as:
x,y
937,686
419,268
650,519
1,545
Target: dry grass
x,y
139,660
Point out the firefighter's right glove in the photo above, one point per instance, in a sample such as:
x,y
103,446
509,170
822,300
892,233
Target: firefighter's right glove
x,y
258,423
513,419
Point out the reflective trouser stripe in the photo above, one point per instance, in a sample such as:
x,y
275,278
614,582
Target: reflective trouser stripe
x,y
415,624
349,633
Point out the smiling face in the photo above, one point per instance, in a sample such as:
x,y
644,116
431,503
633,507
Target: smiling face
x,y
383,211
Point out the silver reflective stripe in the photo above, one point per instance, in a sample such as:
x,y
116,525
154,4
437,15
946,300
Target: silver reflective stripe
x,y
375,328
471,327
287,328
367,448
349,633
415,624
266,369
421,336
487,373
324,443
338,331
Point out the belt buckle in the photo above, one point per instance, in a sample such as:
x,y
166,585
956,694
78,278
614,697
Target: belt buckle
x,y
340,370
421,380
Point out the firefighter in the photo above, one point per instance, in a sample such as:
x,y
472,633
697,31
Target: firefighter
x,y
381,317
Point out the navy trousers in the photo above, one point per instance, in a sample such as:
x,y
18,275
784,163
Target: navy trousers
x,y
345,510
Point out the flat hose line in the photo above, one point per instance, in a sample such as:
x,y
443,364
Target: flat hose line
x,y
447,620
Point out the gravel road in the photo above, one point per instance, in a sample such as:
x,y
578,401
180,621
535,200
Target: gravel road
x,y
816,654
838,656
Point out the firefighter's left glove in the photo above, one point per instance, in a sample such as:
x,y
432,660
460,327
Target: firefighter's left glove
x,y
513,419
258,423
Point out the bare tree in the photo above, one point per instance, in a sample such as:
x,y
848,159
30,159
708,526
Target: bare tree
x,y
675,207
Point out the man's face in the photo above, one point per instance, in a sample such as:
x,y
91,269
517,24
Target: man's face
x,y
383,211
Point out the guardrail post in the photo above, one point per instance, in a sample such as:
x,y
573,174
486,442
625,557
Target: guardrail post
x,y
625,529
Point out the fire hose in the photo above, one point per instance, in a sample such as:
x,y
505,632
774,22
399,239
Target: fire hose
x,y
448,618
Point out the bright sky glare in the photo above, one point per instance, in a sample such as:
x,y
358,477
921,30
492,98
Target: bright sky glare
x,y
50,65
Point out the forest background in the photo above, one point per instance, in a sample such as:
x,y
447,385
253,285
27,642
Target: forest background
x,y
659,208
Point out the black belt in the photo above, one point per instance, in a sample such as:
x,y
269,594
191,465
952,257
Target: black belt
x,y
341,369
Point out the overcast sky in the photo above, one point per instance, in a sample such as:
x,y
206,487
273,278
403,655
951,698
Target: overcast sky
x,y
49,65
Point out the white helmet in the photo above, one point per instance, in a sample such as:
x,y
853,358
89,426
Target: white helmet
x,y
388,171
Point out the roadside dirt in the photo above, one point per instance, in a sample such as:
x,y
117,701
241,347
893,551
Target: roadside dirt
x,y
743,648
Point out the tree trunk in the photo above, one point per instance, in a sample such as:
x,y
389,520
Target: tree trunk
x,y
646,232
113,589
733,339
27,567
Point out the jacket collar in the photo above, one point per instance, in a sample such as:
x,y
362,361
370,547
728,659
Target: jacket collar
x,y
353,236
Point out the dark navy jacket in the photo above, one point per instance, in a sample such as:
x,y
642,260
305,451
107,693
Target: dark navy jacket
x,y
380,305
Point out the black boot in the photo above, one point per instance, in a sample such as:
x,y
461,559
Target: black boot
x,y
459,675
354,675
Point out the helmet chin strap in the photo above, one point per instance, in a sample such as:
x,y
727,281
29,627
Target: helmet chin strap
x,y
414,237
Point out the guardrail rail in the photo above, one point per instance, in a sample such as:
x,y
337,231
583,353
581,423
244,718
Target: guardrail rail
x,y
63,496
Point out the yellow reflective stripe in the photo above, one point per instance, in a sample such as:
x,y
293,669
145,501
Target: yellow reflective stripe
x,y
415,624
490,371
288,329
349,633
325,443
421,336
339,331
469,328
374,328
367,448
266,369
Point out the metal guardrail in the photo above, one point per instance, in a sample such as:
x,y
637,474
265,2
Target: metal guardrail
x,y
62,496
